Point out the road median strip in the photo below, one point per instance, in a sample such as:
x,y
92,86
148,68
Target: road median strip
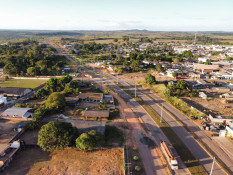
x,y
186,155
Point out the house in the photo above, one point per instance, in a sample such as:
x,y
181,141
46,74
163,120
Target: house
x,y
194,75
17,113
3,100
14,91
203,67
109,99
96,114
91,97
220,119
71,101
202,95
203,59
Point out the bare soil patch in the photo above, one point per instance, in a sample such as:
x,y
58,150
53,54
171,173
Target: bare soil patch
x,y
6,129
215,106
72,161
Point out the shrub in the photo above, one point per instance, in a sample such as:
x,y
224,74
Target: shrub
x,y
135,157
33,124
87,141
137,168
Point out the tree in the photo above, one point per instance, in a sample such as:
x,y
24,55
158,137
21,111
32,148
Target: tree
x,y
56,135
106,91
159,67
51,85
187,54
135,65
102,106
150,79
176,60
125,38
32,71
105,64
87,141
174,74
115,40
208,62
181,84
42,93
229,59
56,101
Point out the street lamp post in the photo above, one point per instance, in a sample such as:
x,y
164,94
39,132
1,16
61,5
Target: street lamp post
x,y
161,117
212,167
135,90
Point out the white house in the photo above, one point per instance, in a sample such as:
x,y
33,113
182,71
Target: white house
x,y
203,59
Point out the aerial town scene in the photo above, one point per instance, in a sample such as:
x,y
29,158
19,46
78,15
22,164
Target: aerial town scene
x,y
116,87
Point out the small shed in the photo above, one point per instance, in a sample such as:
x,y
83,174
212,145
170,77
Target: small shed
x,y
99,114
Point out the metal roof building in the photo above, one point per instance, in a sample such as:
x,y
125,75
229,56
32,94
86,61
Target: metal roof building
x,y
18,113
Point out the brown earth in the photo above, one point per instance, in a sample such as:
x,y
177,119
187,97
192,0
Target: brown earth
x,y
215,106
34,161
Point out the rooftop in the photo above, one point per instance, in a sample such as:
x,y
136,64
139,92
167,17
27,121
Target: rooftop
x,y
16,111
97,113
95,96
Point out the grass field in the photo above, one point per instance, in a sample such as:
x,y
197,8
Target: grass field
x,y
22,83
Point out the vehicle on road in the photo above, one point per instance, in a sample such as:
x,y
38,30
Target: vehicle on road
x,y
169,155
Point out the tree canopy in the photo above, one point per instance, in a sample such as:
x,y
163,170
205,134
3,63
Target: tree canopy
x,y
87,141
56,135
150,79
56,101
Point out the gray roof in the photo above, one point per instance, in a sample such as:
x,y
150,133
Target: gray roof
x,y
16,111
12,90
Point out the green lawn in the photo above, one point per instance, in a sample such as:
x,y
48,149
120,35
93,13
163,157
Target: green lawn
x,y
23,83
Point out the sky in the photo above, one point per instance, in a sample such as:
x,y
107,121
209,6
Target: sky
x,y
154,15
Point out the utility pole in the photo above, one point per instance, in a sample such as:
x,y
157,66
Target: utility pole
x,y
135,90
212,167
161,117
195,39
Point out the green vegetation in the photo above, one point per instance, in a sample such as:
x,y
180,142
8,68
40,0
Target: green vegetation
x,y
183,151
150,79
56,135
180,89
57,84
137,168
42,93
30,58
106,91
135,158
22,83
56,102
87,141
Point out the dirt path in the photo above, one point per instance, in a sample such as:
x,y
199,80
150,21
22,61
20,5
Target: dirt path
x,y
151,160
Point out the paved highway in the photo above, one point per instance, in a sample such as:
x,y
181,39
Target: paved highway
x,y
204,158
154,167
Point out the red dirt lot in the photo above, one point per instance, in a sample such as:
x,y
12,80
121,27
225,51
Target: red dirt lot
x,y
34,161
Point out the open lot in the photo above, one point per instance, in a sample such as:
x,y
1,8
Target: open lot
x,y
68,161
6,129
216,106
22,83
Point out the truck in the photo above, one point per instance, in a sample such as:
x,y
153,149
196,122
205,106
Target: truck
x,y
169,155
7,151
